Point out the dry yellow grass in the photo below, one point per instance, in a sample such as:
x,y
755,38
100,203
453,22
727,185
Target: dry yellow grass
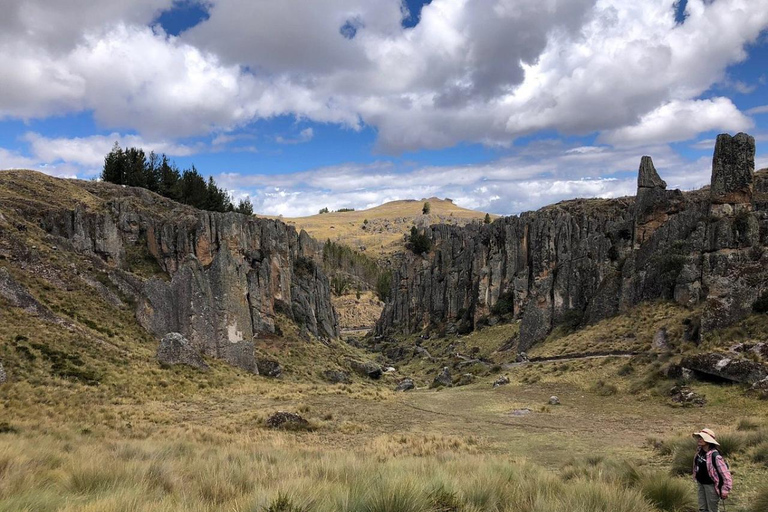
x,y
382,234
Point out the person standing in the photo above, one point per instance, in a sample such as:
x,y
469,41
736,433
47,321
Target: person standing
x,y
710,471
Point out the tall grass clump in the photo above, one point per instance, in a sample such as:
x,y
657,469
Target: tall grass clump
x,y
760,454
760,503
668,494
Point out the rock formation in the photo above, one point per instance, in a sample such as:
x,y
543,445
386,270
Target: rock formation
x,y
176,349
581,261
219,279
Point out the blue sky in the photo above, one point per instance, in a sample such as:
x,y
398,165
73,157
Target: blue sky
x,y
502,105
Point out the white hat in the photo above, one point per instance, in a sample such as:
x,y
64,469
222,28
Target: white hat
x,y
707,435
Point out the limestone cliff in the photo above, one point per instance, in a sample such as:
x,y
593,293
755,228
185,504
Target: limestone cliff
x,y
218,279
585,260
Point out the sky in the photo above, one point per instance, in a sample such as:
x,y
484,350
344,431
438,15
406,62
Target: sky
x,y
503,106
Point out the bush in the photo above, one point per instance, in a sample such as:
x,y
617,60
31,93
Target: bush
x,y
760,454
505,304
282,504
760,504
668,494
420,242
682,460
603,388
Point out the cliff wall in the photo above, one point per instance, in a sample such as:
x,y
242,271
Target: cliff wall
x,y
585,260
219,279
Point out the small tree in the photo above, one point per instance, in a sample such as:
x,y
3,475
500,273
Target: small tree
x,y
487,219
244,206
324,210
383,285
426,208
420,243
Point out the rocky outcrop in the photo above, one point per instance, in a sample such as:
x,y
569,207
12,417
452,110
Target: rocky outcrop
x,y
176,349
219,279
18,296
725,367
443,378
581,261
405,385
365,368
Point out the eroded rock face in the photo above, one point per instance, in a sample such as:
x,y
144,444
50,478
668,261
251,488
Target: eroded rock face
x,y
18,296
220,279
726,367
733,166
176,349
582,261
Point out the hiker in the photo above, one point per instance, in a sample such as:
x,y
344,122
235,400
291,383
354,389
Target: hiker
x,y
710,471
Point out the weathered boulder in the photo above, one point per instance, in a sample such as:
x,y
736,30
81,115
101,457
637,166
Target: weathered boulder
x,y
365,368
677,372
176,349
2,374
733,166
269,367
443,379
660,340
758,350
405,385
336,377
503,380
554,400
288,421
726,367
686,397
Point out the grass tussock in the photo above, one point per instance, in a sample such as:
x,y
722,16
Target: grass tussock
x,y
49,474
760,503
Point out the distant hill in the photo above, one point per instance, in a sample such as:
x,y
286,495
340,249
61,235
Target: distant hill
x,y
379,232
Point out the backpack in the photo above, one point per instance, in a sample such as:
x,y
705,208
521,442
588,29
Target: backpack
x,y
714,454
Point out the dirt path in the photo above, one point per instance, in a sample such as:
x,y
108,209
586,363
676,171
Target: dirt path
x,y
574,357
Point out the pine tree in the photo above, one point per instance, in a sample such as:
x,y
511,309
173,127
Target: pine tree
x,y
245,206
194,191
114,166
426,208
152,172
487,219
136,163
170,180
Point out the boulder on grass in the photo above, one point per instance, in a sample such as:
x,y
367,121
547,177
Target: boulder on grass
x,y
269,368
443,378
760,389
686,397
725,366
365,368
405,385
553,400
176,349
288,421
336,377
503,380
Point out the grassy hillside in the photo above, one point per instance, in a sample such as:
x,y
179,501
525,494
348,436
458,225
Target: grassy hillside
x,y
379,231
90,422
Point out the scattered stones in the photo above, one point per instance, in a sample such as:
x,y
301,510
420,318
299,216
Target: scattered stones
x,y
521,412
443,378
522,357
176,349
466,379
2,374
501,381
686,397
269,368
677,372
405,385
365,368
726,367
660,340
553,400
758,349
336,377
760,389
288,421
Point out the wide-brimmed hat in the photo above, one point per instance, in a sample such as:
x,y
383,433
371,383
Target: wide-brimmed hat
x,y
707,435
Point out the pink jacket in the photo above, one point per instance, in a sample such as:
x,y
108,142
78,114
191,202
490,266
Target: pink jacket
x,y
715,472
